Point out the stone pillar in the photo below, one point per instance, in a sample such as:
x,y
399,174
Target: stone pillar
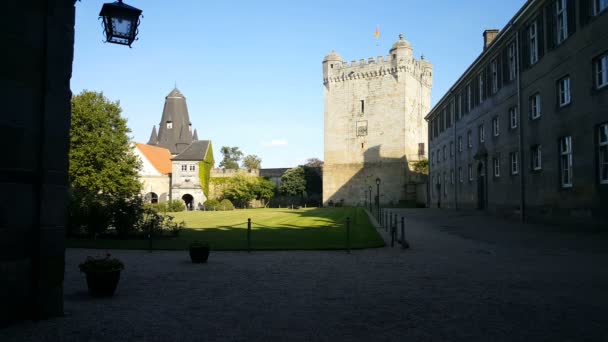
x,y
34,130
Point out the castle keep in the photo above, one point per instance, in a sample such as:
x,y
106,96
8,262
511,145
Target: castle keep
x,y
374,125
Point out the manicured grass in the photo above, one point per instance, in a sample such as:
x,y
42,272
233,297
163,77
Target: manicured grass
x,y
272,229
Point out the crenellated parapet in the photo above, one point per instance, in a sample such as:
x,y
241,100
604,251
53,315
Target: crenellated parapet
x,y
371,68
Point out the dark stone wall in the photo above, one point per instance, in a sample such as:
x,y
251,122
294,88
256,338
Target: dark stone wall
x,y
38,44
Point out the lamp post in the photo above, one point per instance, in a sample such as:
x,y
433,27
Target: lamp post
x,y
120,22
378,197
370,199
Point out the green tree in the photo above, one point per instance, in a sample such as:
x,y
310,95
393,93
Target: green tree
x,y
314,162
101,157
239,190
231,157
252,162
421,166
293,182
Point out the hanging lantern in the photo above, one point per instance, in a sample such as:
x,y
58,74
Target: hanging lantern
x,y
120,22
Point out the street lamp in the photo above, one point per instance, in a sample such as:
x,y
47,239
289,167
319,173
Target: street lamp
x,y
378,197
370,199
120,22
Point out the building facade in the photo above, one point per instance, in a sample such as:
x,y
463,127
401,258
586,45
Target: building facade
x,y
524,130
374,124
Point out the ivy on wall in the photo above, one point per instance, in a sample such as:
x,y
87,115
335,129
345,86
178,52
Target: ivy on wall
x,y
204,168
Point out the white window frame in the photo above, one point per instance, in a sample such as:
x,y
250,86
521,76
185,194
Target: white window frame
x,y
496,164
482,133
496,126
470,173
469,139
481,86
563,91
460,143
514,163
537,158
452,176
460,174
535,106
561,20
599,6
603,152
601,71
169,124
565,151
494,69
533,41
513,117
512,62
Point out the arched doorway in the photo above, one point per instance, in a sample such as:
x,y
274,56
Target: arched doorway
x,y
189,201
151,197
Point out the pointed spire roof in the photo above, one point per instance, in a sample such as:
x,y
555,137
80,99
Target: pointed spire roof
x,y
153,137
195,135
174,128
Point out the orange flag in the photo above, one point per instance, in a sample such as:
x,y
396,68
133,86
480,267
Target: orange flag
x,y
377,33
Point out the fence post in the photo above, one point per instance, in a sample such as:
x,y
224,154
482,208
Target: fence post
x,y
404,243
249,235
348,235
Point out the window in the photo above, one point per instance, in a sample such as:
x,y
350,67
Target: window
x,y
459,107
562,21
470,173
513,117
460,174
533,42
536,154
512,61
535,106
601,71
459,143
438,155
452,112
451,148
495,126
432,158
469,139
362,106
565,151
169,124
599,6
481,87
563,90
482,133
184,167
514,163
496,162
445,155
452,176
494,69
469,97
603,151
421,151
192,167
445,182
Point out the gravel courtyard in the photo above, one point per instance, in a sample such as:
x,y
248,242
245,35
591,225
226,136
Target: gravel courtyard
x,y
467,277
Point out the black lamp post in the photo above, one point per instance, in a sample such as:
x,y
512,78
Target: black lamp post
x,y
378,197
120,22
370,198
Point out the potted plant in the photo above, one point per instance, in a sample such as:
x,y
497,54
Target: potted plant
x,y
199,252
103,274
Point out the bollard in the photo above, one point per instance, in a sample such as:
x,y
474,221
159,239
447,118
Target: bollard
x,y
404,243
348,235
248,235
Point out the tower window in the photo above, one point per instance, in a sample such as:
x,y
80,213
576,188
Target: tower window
x,y
362,106
169,124
331,66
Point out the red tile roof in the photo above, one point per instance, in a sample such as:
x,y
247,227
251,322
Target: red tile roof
x,y
160,157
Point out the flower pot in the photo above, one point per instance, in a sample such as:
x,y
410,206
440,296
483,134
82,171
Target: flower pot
x,y
102,283
199,254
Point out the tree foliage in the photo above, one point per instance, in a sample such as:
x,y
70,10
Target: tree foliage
x,y
314,162
242,189
293,182
422,166
101,157
205,167
231,157
252,162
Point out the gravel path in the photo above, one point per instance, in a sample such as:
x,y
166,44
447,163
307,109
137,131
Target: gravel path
x,y
466,278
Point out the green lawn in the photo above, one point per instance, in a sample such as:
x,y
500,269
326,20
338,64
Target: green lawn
x,y
272,229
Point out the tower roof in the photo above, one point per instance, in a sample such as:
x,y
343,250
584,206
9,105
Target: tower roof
x,y
401,43
153,137
332,56
174,129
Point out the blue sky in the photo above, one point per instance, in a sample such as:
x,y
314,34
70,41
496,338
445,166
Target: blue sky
x,y
251,70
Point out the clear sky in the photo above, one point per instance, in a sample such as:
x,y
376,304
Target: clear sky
x,y
251,70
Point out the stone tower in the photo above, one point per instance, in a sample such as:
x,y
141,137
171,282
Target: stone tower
x,y
374,124
175,129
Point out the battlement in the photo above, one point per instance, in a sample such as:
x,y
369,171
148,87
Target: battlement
x,y
376,67
224,173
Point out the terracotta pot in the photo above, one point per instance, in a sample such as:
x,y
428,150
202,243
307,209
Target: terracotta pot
x,y
102,283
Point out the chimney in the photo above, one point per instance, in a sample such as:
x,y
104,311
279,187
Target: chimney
x,y
488,37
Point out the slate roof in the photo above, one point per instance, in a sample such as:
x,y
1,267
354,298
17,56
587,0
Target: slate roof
x,y
177,138
159,157
195,151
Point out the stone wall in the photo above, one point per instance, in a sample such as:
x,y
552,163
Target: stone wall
x,y
34,127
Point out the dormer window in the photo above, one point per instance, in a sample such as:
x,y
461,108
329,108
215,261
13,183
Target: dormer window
x,y
190,127
169,124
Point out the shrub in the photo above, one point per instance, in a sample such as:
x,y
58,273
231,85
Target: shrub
x,y
225,204
156,224
106,263
175,206
212,204
126,214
